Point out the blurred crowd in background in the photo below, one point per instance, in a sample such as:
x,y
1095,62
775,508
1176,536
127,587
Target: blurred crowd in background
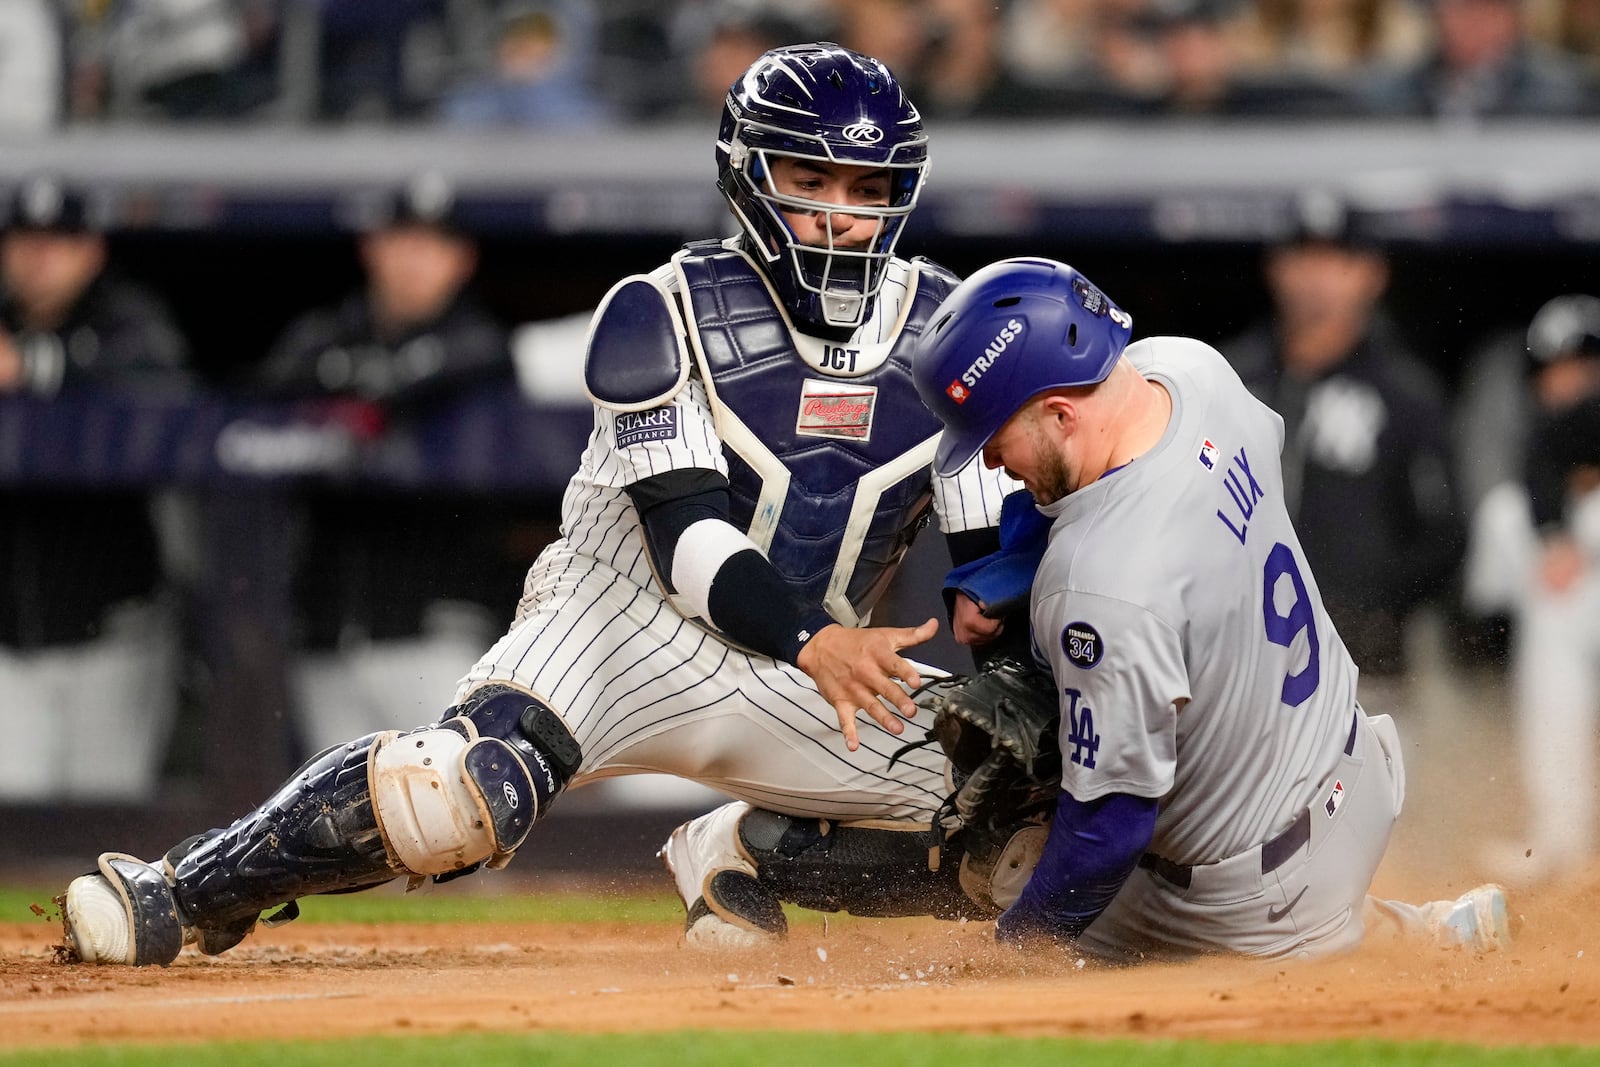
x,y
583,63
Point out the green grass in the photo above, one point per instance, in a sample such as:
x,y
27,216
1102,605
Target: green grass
x,y
16,904
781,1049
463,903
444,904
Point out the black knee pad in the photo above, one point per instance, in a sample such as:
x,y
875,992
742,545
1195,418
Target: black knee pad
x,y
529,725
863,870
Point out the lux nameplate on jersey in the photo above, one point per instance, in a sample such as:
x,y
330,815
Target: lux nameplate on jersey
x,y
1243,489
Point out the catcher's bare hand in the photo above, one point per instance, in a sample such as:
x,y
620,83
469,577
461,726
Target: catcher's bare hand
x,y
857,670
970,625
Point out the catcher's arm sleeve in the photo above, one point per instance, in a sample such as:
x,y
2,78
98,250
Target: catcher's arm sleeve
x,y
716,569
1091,850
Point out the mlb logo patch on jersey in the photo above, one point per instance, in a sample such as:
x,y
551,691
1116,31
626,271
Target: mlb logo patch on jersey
x,y
1208,455
829,409
638,427
1081,642
1335,798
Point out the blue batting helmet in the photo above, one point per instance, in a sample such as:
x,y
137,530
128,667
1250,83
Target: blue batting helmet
x,y
826,103
1008,333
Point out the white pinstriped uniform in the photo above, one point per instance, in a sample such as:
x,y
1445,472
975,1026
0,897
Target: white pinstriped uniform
x,y
643,689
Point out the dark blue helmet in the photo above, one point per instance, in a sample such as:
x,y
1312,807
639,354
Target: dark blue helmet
x,y
1008,333
822,102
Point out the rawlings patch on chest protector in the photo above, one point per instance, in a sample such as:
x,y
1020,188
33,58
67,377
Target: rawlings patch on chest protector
x,y
833,409
638,427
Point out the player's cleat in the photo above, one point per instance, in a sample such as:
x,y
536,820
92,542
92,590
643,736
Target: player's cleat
x,y
727,906
1476,920
123,914
709,930
737,911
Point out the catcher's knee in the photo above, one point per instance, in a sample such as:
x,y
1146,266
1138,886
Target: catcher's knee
x,y
872,870
467,791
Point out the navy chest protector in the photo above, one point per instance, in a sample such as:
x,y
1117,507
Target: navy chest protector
x,y
829,452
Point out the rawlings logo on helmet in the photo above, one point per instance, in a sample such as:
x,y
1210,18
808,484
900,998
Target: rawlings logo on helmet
x,y
863,133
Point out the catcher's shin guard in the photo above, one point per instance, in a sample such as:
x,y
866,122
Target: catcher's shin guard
x,y
440,801
532,728
863,869
316,834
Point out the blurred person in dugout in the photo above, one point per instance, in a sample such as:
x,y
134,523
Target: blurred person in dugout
x,y
1536,554
1332,39
88,646
395,593
1366,453
948,53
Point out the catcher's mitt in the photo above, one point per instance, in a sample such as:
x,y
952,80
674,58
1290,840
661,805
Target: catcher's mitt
x,y
998,728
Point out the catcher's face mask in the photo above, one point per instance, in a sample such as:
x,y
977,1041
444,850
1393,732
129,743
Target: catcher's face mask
x,y
830,105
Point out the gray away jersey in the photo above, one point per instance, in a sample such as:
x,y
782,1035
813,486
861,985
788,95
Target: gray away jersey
x,y
1177,582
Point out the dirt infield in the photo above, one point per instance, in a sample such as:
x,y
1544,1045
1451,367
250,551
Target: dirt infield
x,y
326,981
306,980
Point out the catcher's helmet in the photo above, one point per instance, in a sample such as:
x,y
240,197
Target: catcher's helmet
x,y
1009,332
822,102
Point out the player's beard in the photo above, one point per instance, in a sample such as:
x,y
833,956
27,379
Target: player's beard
x,y
1053,481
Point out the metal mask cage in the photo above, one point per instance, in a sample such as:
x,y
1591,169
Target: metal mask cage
x,y
842,279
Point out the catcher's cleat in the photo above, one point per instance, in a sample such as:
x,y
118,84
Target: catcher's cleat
x,y
1476,920
709,931
727,905
737,911
123,914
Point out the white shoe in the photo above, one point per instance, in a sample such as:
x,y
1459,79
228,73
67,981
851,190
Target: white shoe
x,y
1476,920
712,932
727,906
